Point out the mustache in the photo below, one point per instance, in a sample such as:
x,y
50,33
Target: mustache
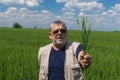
x,y
58,42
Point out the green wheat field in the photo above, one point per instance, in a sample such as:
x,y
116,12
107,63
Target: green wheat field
x,y
19,50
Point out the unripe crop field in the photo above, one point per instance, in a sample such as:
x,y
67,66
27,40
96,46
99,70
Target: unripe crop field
x,y
19,53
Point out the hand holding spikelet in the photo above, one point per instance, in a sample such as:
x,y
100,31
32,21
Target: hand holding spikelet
x,y
84,58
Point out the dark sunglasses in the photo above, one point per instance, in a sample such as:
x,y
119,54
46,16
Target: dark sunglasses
x,y
63,31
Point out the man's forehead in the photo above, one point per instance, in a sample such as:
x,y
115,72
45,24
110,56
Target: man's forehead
x,y
56,25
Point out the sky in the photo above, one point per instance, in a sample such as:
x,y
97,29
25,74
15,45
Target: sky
x,y
103,15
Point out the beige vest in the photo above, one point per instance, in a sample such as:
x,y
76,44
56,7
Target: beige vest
x,y
72,68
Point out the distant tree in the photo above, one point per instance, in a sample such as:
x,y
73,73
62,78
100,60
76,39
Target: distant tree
x,y
17,25
35,27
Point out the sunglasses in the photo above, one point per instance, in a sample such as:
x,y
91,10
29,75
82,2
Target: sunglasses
x,y
63,31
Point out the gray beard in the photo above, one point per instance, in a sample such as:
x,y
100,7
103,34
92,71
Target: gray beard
x,y
58,42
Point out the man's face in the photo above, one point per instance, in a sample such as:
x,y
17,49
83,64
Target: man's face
x,y
58,34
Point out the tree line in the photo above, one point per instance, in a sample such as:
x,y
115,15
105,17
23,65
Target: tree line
x,y
17,25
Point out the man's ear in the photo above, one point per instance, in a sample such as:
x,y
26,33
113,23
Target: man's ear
x,y
49,34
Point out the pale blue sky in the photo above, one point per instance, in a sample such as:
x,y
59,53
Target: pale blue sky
x,y
104,15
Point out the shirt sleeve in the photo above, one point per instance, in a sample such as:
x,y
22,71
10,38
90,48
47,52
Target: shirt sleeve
x,y
79,48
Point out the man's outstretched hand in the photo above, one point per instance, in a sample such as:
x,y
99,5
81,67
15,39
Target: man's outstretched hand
x,y
84,59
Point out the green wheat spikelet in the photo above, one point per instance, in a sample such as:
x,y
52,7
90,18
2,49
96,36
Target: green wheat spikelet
x,y
86,30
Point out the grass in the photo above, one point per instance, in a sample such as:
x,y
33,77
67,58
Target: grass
x,y
19,50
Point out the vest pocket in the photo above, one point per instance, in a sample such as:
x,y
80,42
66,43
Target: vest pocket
x,y
76,71
42,74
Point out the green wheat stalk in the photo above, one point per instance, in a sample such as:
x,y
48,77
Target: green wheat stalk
x,y
86,30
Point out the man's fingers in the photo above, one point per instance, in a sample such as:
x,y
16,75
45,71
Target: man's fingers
x,y
87,56
84,59
86,63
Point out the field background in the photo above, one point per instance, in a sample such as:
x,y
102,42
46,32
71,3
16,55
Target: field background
x,y
19,50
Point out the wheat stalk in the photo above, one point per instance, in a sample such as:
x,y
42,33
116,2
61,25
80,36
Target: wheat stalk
x,y
86,30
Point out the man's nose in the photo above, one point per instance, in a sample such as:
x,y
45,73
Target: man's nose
x,y
59,32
